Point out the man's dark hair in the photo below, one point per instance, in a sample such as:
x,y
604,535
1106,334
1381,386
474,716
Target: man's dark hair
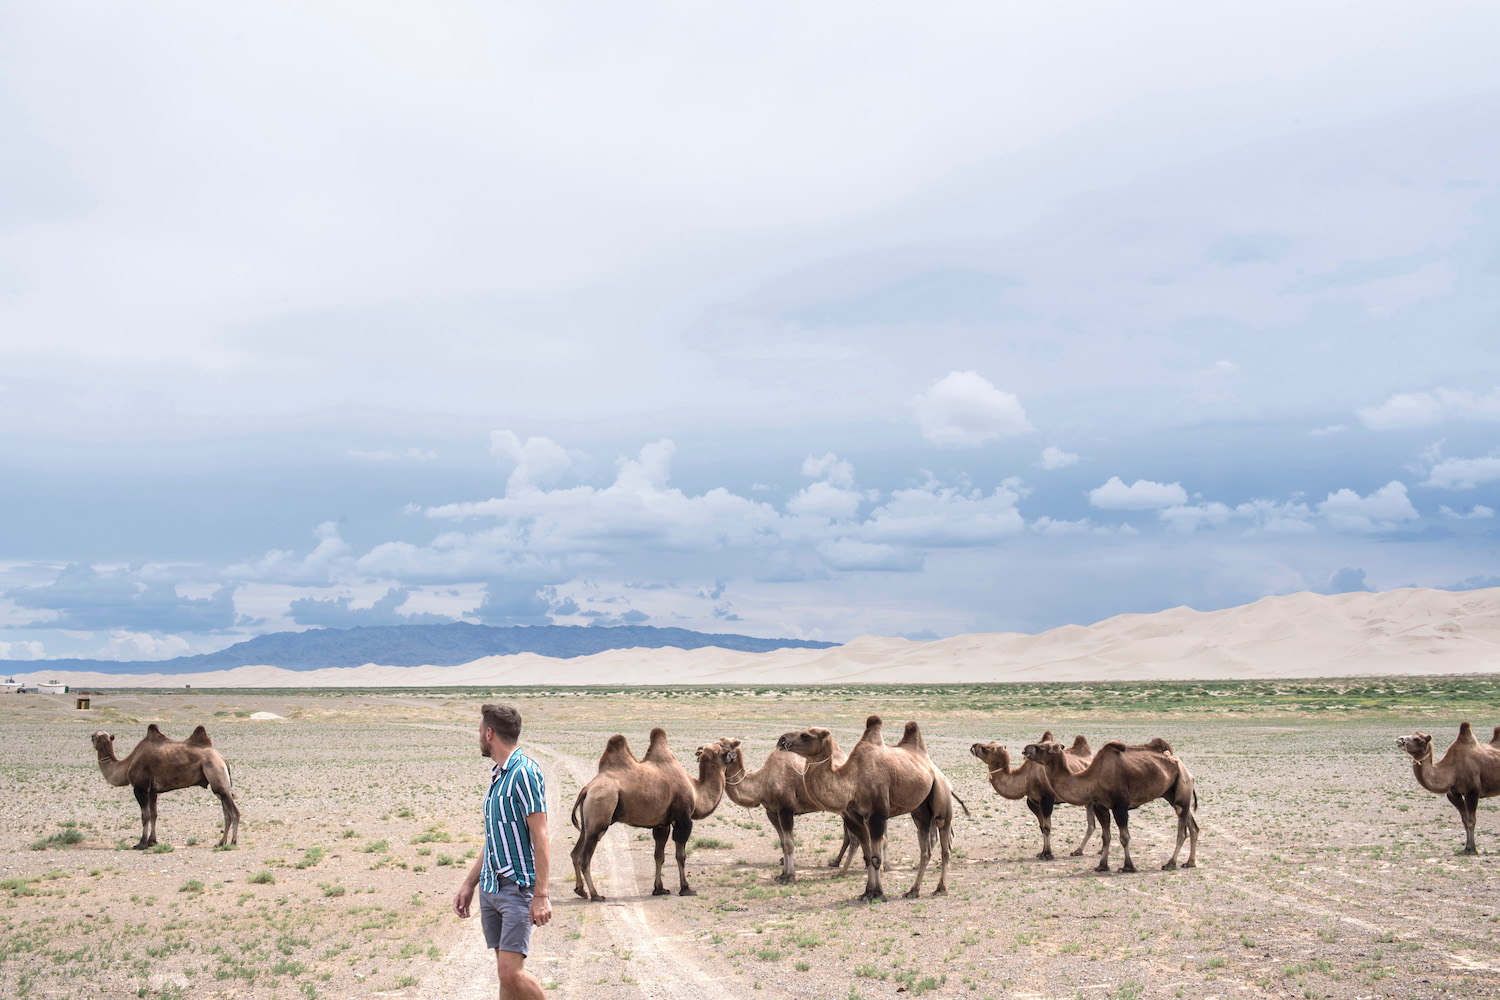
x,y
505,720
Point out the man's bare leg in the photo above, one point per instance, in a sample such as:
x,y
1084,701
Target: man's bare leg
x,y
515,982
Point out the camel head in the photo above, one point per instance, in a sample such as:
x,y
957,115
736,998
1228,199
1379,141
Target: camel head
x,y
810,743
1042,752
719,751
1418,744
994,755
104,743
732,754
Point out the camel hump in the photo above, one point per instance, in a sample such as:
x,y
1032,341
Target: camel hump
x,y
1496,737
658,750
1046,737
1080,746
154,733
1113,746
200,738
1466,733
911,738
1157,744
872,733
616,753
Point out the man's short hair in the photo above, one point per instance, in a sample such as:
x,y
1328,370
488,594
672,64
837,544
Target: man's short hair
x,y
505,720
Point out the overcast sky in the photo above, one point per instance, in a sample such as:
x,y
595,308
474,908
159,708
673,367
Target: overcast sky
x,y
783,319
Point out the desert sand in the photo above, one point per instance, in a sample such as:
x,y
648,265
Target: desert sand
x,y
1412,631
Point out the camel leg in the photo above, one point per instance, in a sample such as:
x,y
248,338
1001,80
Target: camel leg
x,y
852,837
945,842
141,797
681,831
875,856
583,862
1192,824
1471,819
231,820
1043,813
1122,820
846,849
1102,815
1078,851
782,821
1463,817
151,797
660,834
922,817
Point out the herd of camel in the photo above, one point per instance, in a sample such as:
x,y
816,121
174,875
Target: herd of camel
x,y
807,772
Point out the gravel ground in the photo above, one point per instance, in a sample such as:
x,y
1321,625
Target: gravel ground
x,y
1324,870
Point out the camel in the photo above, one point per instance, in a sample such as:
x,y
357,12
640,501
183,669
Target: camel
x,y
1468,772
654,792
1121,778
873,784
159,764
1029,782
777,787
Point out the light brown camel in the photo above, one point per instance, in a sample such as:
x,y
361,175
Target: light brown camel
x,y
158,764
654,792
1468,772
1029,782
777,787
1121,778
877,782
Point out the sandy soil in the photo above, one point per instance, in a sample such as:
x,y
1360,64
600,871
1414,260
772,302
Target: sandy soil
x,y
1325,871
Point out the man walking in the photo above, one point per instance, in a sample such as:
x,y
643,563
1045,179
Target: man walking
x,y
511,873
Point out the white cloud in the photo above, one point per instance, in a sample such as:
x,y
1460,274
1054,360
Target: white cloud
x,y
1464,473
1477,513
1330,429
1143,494
831,468
851,554
938,515
1383,510
1188,519
824,500
26,649
328,561
1054,457
1082,526
1409,410
963,410
538,461
1289,517
124,645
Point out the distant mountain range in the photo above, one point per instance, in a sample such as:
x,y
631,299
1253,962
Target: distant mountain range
x,y
418,645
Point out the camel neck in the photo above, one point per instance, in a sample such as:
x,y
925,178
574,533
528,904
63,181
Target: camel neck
x,y
1433,777
744,788
828,787
112,767
708,787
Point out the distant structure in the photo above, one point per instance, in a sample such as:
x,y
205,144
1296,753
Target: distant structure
x,y
53,686
9,686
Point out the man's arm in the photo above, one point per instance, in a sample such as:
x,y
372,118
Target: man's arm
x,y
541,850
470,883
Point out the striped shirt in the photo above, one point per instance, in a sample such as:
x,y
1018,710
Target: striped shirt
x,y
517,790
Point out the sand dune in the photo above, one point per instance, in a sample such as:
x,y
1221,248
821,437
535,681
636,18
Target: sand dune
x,y
1413,631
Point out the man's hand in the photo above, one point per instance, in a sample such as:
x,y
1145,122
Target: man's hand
x,y
463,899
541,910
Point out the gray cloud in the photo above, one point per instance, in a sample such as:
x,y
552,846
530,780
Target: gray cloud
x,y
87,599
336,612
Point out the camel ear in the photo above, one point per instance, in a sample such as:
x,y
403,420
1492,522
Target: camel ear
x,y
820,733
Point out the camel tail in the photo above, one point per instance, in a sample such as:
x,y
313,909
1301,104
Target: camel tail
x,y
962,803
576,803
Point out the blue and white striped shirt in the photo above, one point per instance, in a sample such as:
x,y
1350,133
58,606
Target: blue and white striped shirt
x,y
517,789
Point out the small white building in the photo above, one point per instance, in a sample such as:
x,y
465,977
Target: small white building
x,y
53,686
9,686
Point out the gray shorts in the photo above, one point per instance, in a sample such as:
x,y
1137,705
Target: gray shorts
x,y
506,917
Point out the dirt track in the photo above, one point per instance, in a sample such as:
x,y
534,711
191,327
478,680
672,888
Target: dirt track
x,y
1325,871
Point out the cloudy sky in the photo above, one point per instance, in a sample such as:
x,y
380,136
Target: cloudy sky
x,y
783,319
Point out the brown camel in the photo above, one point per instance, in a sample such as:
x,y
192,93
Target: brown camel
x,y
873,784
1029,782
1468,772
1121,778
158,764
654,792
777,787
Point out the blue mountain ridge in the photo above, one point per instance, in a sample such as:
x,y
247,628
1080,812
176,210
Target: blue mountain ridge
x,y
418,645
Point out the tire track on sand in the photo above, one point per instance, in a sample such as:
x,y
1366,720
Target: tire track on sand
x,y
660,967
